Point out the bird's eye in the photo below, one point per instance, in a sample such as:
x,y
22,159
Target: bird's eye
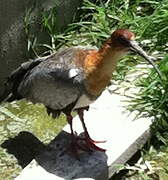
x,y
123,40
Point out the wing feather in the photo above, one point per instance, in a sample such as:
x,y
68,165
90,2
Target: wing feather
x,y
56,82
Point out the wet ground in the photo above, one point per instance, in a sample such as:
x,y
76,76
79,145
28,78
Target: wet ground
x,y
22,116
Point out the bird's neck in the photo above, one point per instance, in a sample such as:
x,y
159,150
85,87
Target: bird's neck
x,y
99,67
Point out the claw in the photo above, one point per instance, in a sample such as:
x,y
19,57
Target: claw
x,y
90,144
91,140
84,144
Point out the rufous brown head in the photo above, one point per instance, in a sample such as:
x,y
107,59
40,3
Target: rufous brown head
x,y
124,39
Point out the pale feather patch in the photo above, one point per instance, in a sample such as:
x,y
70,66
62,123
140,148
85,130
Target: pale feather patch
x,y
73,73
83,101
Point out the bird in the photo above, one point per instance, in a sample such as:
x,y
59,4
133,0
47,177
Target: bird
x,y
71,79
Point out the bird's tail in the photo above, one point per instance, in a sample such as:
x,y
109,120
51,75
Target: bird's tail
x,y
10,91
6,93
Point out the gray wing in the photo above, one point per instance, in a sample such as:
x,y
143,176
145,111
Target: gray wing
x,y
14,79
56,83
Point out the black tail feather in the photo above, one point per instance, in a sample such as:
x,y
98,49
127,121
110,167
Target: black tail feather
x,y
7,92
10,91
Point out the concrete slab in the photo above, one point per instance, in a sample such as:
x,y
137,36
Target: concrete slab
x,y
107,120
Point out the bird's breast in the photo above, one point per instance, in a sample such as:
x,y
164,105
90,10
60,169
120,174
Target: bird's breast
x,y
98,71
96,84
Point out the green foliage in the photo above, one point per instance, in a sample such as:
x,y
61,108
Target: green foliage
x,y
158,27
9,167
152,165
147,18
152,101
31,38
49,24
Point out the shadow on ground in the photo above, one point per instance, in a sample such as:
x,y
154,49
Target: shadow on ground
x,y
55,158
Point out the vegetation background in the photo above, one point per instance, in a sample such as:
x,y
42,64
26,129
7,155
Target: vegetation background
x,y
94,22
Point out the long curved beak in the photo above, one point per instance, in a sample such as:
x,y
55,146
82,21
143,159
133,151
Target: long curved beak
x,y
137,49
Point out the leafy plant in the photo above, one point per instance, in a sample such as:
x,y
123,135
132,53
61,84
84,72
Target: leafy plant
x,y
152,100
152,165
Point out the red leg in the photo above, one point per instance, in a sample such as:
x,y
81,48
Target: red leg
x,y
69,119
89,142
75,144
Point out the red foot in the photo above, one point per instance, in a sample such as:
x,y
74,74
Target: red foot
x,y
89,143
84,144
